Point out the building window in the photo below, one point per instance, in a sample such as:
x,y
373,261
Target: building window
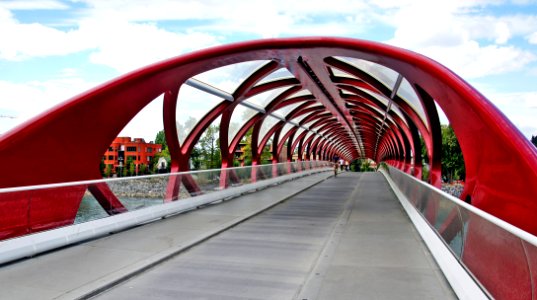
x,y
131,157
110,149
149,149
149,158
131,149
138,157
110,157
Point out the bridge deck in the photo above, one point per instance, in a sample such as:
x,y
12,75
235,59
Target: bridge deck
x,y
347,238
83,269
344,238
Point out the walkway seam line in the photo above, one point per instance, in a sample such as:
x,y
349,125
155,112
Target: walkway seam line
x,y
164,257
307,287
461,282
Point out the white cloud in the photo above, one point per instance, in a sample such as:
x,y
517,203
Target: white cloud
x,y
261,18
502,32
26,100
532,38
146,123
23,41
470,60
519,107
118,43
32,4
125,35
127,46
447,33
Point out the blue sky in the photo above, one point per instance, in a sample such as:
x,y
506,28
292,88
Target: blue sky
x,y
51,50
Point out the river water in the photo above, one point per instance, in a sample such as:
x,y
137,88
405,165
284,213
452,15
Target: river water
x,y
90,209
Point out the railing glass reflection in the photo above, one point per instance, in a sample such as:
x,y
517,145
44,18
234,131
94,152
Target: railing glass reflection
x,y
39,208
501,257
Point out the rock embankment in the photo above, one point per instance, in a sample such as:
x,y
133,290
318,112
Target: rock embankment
x,y
454,189
152,188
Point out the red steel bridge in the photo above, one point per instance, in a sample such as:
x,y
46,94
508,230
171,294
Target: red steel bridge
x,y
311,98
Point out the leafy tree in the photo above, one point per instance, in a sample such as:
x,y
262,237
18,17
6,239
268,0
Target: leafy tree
x,y
108,171
247,150
129,167
164,153
142,169
366,165
161,139
424,155
452,159
102,167
209,145
196,158
534,140
132,169
266,155
355,165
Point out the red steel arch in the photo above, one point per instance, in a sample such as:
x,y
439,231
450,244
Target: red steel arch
x,y
361,114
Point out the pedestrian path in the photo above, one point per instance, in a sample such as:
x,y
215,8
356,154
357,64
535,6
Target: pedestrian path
x,y
346,238
85,269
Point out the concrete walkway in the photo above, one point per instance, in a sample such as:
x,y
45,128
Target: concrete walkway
x,y
347,238
85,269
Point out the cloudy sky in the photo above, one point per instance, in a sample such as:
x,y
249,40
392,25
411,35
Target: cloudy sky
x,y
51,50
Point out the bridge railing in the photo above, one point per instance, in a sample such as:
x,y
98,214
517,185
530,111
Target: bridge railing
x,y
138,200
500,257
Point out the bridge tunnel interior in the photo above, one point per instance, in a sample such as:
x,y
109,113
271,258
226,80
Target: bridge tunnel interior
x,y
313,98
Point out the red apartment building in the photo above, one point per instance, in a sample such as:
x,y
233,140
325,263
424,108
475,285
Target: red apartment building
x,y
125,149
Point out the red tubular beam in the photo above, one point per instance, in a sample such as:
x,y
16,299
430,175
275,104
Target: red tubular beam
x,y
490,143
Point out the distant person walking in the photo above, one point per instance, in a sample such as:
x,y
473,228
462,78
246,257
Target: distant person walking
x,y
336,167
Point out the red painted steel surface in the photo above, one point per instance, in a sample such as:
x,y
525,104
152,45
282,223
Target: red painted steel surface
x,y
500,163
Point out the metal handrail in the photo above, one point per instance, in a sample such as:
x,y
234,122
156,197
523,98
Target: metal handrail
x,y
104,180
524,235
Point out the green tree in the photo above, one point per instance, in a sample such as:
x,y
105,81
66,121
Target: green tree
x,y
129,167
424,155
247,150
366,165
142,169
452,159
209,145
355,165
196,158
534,140
108,171
102,167
161,139
164,153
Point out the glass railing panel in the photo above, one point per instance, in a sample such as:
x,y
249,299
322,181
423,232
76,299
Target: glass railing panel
x,y
501,257
137,193
244,175
209,181
497,258
450,226
39,208
89,209
531,252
